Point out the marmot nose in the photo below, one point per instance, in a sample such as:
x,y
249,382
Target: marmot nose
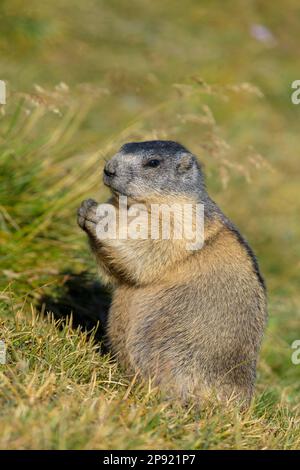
x,y
109,170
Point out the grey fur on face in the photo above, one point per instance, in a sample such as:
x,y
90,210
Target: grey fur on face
x,y
142,168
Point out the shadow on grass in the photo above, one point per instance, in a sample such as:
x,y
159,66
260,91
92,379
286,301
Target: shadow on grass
x,y
85,299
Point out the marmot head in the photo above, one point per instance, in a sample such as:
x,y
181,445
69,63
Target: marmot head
x,y
154,169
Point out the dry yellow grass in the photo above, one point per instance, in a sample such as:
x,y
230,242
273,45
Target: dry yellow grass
x,y
114,72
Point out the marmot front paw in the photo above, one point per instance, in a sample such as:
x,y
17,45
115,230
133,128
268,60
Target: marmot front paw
x,y
87,216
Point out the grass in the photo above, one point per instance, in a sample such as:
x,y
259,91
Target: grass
x,y
138,70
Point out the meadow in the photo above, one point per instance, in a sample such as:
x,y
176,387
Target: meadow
x,y
82,79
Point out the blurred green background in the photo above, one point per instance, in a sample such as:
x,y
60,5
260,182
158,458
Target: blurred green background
x,y
138,50
84,77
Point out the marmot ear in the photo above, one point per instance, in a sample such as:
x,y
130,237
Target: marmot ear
x,y
186,162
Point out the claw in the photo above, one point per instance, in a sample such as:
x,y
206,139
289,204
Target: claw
x,y
89,203
80,221
83,211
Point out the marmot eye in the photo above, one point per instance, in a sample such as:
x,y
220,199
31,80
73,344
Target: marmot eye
x,y
153,163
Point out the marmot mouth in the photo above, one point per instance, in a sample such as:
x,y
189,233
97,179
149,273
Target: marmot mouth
x,y
115,192
107,180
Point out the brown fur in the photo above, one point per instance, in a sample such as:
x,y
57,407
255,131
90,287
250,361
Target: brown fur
x,y
190,320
